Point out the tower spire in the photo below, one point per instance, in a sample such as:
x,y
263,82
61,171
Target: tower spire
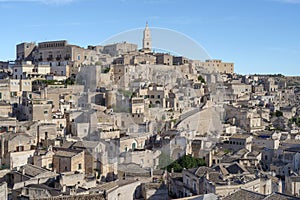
x,y
147,42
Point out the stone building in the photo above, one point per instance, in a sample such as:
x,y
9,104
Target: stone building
x,y
24,51
180,60
204,180
119,48
68,160
37,110
44,158
144,158
56,57
28,174
139,109
218,66
239,141
164,59
6,109
28,69
292,185
13,143
247,119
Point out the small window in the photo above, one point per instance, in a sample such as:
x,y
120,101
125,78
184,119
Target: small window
x,y
79,166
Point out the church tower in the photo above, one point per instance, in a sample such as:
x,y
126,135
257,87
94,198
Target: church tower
x,y
147,43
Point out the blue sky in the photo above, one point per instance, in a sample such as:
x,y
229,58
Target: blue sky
x,y
260,36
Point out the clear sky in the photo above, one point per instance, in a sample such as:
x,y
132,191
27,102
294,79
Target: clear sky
x,y
259,36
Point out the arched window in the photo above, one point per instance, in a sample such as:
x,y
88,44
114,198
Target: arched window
x,y
133,145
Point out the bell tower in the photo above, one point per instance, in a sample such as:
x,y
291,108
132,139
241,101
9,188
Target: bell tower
x,y
147,43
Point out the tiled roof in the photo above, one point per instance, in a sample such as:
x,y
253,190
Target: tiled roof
x,y
85,144
201,171
52,191
67,153
250,195
235,169
215,177
280,196
245,195
32,170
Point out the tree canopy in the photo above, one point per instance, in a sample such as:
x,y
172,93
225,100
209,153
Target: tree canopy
x,y
187,162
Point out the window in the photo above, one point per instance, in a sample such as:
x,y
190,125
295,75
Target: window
x,y
78,57
79,166
45,111
20,148
50,165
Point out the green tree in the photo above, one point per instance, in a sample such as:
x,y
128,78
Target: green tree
x,y
106,70
187,162
201,79
278,113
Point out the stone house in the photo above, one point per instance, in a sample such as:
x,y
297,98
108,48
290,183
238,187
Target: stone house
x,y
164,59
239,141
29,174
68,160
44,158
292,185
37,110
12,143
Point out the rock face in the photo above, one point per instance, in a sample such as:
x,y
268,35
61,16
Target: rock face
x,y
206,122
